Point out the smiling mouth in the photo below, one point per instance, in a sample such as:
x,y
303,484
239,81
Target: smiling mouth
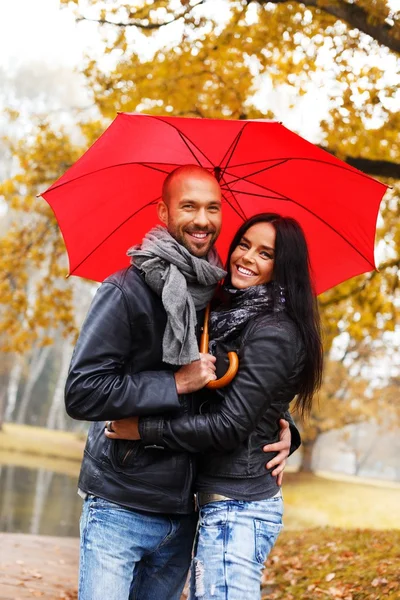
x,y
199,236
245,272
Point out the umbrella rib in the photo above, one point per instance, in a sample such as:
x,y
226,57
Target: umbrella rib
x,y
114,230
189,148
256,162
278,195
151,166
311,213
317,160
233,146
238,209
235,210
57,186
246,177
185,138
259,195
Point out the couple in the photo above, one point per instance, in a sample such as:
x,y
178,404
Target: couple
x,y
136,366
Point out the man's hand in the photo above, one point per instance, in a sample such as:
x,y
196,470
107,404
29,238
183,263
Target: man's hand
x,y
123,429
196,375
283,449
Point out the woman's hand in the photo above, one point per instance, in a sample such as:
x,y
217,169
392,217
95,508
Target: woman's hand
x,y
283,449
123,429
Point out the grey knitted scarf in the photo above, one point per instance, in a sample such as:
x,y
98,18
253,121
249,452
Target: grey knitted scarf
x,y
185,284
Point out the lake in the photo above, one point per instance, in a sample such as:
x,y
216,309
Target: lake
x,y
38,501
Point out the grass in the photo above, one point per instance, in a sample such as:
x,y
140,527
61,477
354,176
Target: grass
x,y
334,563
38,441
310,501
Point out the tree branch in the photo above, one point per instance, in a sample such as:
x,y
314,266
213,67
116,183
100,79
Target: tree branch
x,y
138,24
353,15
141,24
381,168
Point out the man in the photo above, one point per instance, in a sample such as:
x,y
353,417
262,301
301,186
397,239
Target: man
x,y
138,522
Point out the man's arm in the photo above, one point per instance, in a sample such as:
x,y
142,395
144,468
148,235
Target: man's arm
x,y
284,447
295,433
98,386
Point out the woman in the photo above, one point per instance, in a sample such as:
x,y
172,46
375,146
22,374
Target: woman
x,y
268,315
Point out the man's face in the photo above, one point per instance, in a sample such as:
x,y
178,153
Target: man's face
x,y
192,212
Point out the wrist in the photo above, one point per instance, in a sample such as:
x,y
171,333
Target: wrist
x,y
151,431
180,389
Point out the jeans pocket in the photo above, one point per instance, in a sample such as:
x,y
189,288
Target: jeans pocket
x,y
213,514
266,534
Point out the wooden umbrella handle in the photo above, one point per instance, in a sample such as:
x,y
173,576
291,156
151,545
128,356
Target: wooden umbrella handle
x,y
233,357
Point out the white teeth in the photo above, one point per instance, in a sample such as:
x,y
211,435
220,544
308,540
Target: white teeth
x,y
201,236
245,271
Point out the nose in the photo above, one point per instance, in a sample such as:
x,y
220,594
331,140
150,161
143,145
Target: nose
x,y
201,218
248,256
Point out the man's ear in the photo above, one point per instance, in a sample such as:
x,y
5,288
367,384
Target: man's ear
x,y
162,211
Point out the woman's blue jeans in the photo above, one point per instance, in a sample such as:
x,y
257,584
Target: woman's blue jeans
x,y
233,540
133,555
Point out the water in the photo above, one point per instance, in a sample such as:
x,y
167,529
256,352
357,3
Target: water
x,y
38,501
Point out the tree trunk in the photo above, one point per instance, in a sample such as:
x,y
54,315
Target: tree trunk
x,y
43,482
306,460
35,370
7,507
2,406
55,418
12,389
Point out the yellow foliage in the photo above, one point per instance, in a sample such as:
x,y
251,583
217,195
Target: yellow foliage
x,y
212,70
35,299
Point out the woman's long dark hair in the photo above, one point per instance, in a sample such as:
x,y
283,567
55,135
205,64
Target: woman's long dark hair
x,y
292,272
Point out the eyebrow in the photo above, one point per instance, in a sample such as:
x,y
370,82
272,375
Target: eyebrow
x,y
192,201
262,246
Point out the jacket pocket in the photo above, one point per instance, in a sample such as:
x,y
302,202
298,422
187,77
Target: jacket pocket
x,y
124,453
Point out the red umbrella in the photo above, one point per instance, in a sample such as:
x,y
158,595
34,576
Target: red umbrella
x,y
107,200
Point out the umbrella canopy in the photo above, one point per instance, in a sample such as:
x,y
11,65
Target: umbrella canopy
x,y
107,200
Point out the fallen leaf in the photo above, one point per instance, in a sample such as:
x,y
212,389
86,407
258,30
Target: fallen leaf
x,y
378,581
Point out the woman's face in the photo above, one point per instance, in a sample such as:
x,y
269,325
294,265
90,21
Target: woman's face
x,y
252,261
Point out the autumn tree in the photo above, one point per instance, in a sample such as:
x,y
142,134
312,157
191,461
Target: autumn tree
x,y
183,59
349,397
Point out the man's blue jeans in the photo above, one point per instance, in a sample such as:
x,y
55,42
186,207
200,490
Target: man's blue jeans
x,y
233,540
133,555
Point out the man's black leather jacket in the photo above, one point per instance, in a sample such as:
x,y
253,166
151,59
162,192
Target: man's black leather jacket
x,y
117,371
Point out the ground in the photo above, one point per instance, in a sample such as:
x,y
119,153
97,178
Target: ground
x,y
315,564
341,538
34,566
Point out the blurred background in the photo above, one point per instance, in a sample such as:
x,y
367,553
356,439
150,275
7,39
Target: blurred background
x,y
327,70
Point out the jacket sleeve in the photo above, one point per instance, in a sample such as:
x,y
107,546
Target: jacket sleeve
x,y
295,433
98,385
267,361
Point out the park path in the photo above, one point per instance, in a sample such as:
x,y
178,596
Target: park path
x,y
33,566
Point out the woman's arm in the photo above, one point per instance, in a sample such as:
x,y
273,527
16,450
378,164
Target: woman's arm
x,y
268,359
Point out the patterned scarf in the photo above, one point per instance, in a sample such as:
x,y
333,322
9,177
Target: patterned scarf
x,y
228,320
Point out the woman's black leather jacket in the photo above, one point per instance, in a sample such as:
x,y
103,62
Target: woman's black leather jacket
x,y
244,416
